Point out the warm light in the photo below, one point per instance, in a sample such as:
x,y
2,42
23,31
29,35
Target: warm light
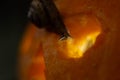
x,y
83,30
83,36
74,49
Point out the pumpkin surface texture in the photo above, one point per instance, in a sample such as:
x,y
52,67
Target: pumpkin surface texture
x,y
91,53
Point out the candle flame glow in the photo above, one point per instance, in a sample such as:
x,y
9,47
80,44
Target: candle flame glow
x,y
83,35
74,49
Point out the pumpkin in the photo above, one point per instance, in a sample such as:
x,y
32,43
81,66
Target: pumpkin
x,y
94,24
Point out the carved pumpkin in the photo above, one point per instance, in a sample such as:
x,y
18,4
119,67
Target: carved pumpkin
x,y
94,24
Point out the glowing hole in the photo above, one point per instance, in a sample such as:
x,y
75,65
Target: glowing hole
x,y
84,31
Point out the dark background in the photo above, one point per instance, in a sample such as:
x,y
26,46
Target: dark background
x,y
12,25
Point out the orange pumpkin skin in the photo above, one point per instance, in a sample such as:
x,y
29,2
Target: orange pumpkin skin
x,y
101,62
31,62
31,57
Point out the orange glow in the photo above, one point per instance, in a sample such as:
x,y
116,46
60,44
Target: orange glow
x,y
27,39
31,61
76,50
83,30
83,36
